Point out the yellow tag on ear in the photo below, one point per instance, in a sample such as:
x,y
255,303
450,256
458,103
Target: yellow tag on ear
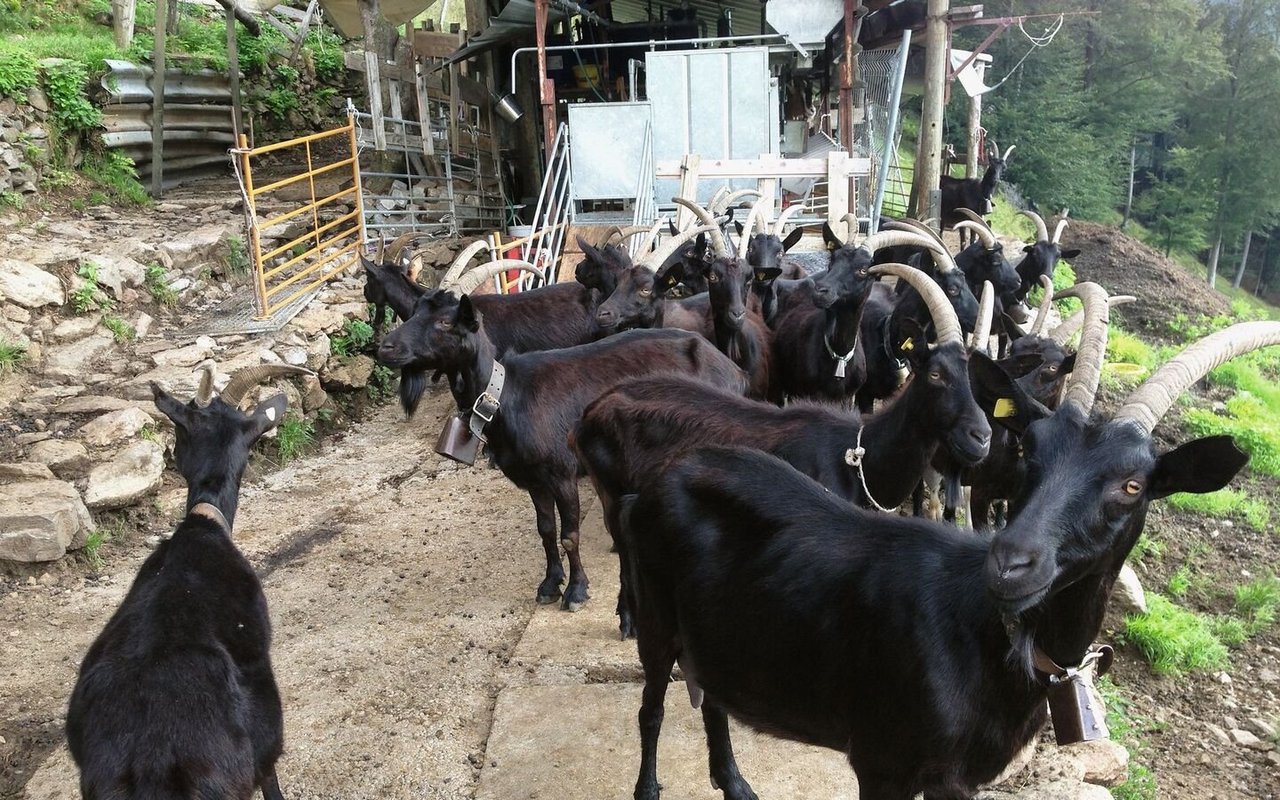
x,y
1005,408
908,345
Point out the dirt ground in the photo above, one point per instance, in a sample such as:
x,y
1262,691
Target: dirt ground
x,y
400,584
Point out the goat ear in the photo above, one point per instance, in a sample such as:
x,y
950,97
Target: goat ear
x,y
829,236
1199,466
367,264
170,406
588,248
671,227
1011,328
700,246
468,317
792,238
1021,365
1070,254
672,275
1000,397
1028,248
914,345
737,226
268,414
765,274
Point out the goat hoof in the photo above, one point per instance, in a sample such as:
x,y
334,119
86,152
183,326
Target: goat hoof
x,y
575,598
548,599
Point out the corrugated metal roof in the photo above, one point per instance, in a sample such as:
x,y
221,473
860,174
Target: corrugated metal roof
x,y
746,14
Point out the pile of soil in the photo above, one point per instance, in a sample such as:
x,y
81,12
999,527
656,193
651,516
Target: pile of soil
x,y
1123,265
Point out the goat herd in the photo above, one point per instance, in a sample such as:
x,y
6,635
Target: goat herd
x,y
709,393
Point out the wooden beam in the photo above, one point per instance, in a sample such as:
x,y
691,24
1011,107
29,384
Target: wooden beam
x,y
766,168
547,87
387,69
373,77
929,156
233,76
431,44
249,22
303,29
157,101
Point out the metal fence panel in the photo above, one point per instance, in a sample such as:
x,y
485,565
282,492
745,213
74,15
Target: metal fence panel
x,y
608,141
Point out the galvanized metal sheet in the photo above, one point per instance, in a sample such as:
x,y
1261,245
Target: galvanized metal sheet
x,y
607,151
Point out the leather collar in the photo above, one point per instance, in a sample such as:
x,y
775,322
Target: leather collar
x,y
1097,658
210,511
486,406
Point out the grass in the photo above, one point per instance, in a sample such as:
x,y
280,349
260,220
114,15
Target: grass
x,y
1173,639
1257,603
1180,581
115,173
89,297
355,337
12,357
123,331
156,282
237,256
1256,512
1127,729
1146,546
293,436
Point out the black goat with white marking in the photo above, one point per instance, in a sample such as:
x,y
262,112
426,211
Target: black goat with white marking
x,y
176,697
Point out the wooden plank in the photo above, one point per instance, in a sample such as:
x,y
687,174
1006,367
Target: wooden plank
x,y
424,113
838,193
690,172
355,61
768,195
766,168
434,44
473,91
233,76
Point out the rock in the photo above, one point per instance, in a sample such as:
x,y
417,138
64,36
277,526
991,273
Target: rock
x,y
1265,729
353,310
134,473
63,457
313,394
316,320
25,471
41,519
318,352
1219,734
28,285
1106,763
75,359
348,373
201,246
1053,790
24,439
37,99
1243,738
180,284
187,356
96,404
117,272
113,426
297,356
1128,595
70,330
16,313
142,324
1268,676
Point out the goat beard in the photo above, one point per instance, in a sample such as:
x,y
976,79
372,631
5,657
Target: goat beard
x,y
413,383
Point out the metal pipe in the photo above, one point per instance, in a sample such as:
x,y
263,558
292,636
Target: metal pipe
x,y
891,130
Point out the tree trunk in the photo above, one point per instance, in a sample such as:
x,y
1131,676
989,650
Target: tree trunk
x,y
1128,203
123,15
1213,260
1244,260
929,153
171,26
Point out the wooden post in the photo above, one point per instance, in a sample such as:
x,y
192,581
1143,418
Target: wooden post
x,y
975,126
547,95
424,107
171,22
303,29
372,59
233,73
689,169
123,14
929,157
157,102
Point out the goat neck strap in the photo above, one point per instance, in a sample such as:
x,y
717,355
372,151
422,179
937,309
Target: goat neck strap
x,y
853,457
210,511
1097,659
486,406
892,354
841,360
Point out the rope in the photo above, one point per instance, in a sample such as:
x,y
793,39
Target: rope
x,y
853,457
1044,40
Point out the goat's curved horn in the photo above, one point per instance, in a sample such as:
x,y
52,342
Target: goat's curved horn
x,y
910,225
1083,387
414,268
204,392
1005,157
244,380
1150,401
851,224
755,217
654,260
612,231
630,231
473,279
716,204
980,231
1063,333
382,246
1042,231
986,309
1046,302
785,217
650,236
894,238
708,220
397,246
945,322
734,197
973,216
460,263
1057,231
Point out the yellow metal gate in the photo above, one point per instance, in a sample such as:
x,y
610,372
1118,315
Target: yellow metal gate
x,y
287,272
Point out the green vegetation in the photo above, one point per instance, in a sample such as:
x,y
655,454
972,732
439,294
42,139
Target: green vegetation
x,y
105,532
89,297
355,337
1180,581
123,331
156,282
1128,729
115,172
17,73
382,384
1227,502
1257,604
1146,546
11,199
1174,639
237,256
12,357
293,436
149,433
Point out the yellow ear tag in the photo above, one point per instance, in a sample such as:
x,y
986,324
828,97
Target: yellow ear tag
x,y
1004,408
908,345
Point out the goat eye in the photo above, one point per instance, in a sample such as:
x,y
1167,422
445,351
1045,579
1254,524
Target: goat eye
x,y
1052,368
953,292
935,376
862,273
444,325
713,278
645,292
1132,488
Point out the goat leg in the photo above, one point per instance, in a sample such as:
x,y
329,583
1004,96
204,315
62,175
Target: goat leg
x,y
657,674
379,316
271,787
724,768
544,506
575,594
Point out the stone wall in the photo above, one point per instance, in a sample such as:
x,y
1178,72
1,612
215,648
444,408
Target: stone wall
x,y
24,142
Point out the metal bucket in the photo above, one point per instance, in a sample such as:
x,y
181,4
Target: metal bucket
x,y
508,108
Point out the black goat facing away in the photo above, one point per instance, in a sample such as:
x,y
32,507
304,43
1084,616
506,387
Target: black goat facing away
x,y
633,430
1041,259
543,399
176,697
972,193
927,652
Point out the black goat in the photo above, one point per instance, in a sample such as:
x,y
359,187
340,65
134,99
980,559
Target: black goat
x,y
387,284
640,298
600,267
927,652
776,278
984,260
176,697
972,193
1041,258
738,329
543,398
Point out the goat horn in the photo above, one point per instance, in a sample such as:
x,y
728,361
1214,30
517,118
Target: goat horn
x,y
393,250
980,231
473,279
650,236
204,392
756,216
460,263
973,216
734,197
1083,387
785,217
1042,232
986,309
612,231
705,216
244,380
1005,157
945,322
1063,333
414,268
910,225
716,206
894,238
851,224
1046,302
1150,401
1057,231
676,242
382,246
